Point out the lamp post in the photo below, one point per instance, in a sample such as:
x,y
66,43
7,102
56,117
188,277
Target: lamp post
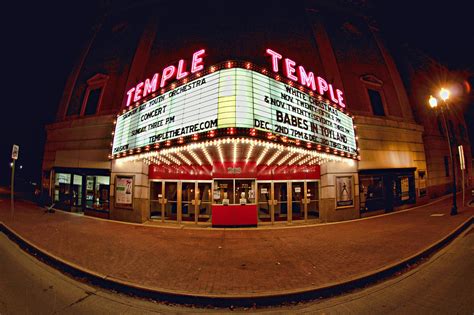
x,y
444,95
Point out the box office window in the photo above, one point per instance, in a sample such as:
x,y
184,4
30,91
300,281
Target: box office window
x,y
244,191
234,191
224,192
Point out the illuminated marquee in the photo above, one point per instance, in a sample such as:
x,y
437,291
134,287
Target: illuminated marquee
x,y
235,98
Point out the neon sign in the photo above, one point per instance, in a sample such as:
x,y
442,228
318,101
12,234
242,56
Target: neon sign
x,y
171,72
307,79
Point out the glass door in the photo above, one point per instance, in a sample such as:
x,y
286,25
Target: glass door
x,y
297,200
312,200
188,196
171,201
62,191
280,200
204,201
156,200
77,193
90,191
265,201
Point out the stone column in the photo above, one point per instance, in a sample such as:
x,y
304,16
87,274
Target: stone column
x,y
328,212
140,212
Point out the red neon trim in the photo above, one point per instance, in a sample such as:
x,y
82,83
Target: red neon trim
x,y
168,72
331,94
322,86
307,79
196,64
150,86
181,66
138,91
290,69
340,98
129,98
275,57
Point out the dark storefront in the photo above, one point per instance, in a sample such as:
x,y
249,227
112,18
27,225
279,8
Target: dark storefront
x,y
386,189
82,190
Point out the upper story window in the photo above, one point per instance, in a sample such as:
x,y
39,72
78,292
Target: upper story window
x,y
376,102
374,90
462,131
446,166
440,127
93,95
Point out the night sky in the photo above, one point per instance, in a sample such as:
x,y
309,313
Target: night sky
x,y
41,42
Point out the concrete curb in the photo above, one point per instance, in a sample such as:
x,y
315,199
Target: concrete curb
x,y
242,300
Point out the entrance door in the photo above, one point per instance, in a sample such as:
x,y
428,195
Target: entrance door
x,y
171,201
77,204
265,202
298,200
390,188
156,200
203,202
312,200
280,200
188,196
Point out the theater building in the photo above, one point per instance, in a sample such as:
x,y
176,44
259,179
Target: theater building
x,y
282,114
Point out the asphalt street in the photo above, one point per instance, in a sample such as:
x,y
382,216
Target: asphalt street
x,y
442,285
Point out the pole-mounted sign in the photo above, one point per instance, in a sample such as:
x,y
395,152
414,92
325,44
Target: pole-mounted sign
x,y
461,157
15,150
462,165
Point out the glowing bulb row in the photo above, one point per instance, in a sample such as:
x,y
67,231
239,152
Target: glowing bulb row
x,y
167,155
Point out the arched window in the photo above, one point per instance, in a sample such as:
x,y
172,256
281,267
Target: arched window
x,y
375,94
93,94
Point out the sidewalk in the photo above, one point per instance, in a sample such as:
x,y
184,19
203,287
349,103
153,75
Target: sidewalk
x,y
230,263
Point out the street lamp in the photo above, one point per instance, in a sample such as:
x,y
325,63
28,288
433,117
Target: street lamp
x,y
444,95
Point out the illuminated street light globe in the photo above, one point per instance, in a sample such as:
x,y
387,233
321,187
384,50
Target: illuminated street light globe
x,y
444,94
433,101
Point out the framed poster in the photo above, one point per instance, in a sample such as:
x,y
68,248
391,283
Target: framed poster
x,y
422,183
404,188
124,191
344,191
